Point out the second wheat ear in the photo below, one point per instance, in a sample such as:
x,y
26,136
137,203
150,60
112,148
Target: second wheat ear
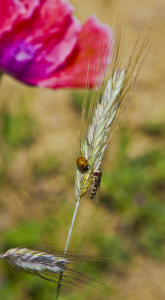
x,y
109,101
48,264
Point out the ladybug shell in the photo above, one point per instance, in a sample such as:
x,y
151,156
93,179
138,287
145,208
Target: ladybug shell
x,y
82,164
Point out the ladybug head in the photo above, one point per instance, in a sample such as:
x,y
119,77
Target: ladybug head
x,y
85,168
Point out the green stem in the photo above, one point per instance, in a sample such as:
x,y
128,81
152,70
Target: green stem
x,y
67,245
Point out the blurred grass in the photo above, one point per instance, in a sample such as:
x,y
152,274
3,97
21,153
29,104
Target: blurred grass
x,y
136,190
77,100
46,166
19,128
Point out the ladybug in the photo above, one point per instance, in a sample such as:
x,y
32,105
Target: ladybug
x,y
82,164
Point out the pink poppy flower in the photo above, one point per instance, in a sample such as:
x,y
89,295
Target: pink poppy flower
x,y
42,44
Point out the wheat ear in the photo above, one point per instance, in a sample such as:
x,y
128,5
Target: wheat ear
x,y
48,264
109,101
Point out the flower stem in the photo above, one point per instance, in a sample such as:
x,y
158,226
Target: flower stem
x,y
67,245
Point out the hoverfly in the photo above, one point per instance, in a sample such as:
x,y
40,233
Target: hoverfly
x,y
96,181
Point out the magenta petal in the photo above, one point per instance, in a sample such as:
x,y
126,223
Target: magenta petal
x,y
41,43
12,11
93,37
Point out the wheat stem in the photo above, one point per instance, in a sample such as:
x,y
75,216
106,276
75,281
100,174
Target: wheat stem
x,y
67,245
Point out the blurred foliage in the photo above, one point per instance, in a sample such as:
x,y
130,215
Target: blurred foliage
x,y
47,165
135,190
77,99
154,129
110,247
19,128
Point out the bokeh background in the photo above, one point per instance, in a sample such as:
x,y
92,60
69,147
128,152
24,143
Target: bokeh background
x,y
38,141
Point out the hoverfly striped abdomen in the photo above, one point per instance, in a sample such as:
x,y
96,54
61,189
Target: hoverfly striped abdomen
x,y
95,183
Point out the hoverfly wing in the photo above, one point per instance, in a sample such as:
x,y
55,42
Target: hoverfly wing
x,y
97,196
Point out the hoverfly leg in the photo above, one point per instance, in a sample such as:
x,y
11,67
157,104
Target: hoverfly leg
x,y
89,145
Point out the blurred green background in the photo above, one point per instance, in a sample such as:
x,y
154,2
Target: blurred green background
x,y
38,141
